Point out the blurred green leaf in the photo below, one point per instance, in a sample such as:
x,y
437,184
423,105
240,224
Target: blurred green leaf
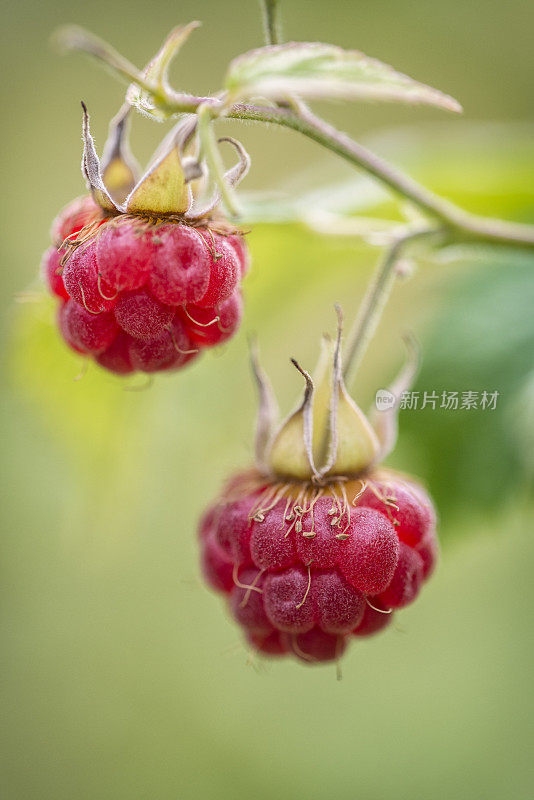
x,y
318,71
481,339
87,408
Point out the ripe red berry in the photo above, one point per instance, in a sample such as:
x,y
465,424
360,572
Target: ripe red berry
x,y
224,273
171,289
141,315
124,256
373,621
246,601
316,645
217,566
86,332
76,215
82,281
306,567
238,243
51,271
212,326
181,271
270,644
407,579
117,356
407,505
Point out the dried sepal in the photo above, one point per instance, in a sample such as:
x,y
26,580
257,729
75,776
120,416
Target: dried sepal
x,y
291,452
163,188
232,177
92,170
328,436
182,134
385,422
346,441
235,174
267,410
120,171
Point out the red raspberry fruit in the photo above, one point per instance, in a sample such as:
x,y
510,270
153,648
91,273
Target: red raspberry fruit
x,y
51,273
142,295
76,215
304,568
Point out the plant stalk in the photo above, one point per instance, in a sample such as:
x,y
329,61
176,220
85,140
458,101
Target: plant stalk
x,y
271,21
375,299
461,226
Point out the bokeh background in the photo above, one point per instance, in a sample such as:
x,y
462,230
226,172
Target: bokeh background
x,y
122,676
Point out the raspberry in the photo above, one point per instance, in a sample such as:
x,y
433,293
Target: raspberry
x,y
246,602
224,274
85,332
170,350
238,243
167,267
407,505
124,257
212,326
143,274
316,645
117,356
181,273
305,567
81,279
80,212
141,315
373,621
271,644
217,567
51,272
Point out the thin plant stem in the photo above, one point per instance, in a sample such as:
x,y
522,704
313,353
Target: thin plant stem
x,y
271,21
210,152
375,299
461,226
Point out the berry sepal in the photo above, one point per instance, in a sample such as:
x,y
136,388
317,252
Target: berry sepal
x,y
328,435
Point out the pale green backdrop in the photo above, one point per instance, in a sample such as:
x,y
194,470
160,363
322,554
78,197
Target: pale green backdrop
x,y
122,677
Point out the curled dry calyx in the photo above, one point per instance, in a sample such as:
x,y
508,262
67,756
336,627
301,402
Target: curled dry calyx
x,y
318,543
148,273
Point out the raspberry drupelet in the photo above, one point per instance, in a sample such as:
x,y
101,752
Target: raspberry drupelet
x,y
310,558
145,280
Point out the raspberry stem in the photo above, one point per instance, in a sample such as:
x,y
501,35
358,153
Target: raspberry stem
x,y
210,152
271,21
375,299
458,225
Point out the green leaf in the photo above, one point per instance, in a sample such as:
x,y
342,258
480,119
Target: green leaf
x,y
318,71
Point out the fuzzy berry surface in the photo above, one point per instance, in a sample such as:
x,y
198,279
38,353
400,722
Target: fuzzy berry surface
x,y
139,295
304,570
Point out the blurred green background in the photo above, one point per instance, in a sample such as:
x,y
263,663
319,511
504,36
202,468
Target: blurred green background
x,y
122,676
